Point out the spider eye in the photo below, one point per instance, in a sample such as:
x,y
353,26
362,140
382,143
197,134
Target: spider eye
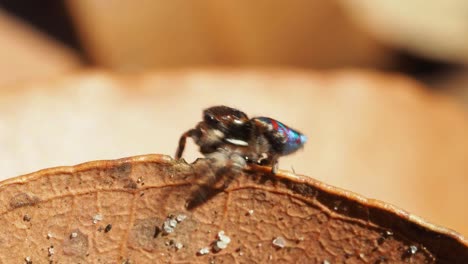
x,y
210,120
237,122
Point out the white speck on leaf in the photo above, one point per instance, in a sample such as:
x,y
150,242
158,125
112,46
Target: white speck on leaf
x,y
97,218
204,251
279,242
51,251
222,242
413,249
181,218
178,245
169,225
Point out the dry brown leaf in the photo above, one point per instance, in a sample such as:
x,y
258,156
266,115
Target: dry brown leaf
x,y
133,210
383,136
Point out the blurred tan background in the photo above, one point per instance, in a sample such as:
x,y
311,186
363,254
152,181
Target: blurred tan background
x,y
381,89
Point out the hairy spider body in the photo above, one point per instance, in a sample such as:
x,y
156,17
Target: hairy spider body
x,y
260,140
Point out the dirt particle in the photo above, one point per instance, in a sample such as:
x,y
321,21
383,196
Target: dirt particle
x,y
157,231
223,237
410,251
222,242
26,218
178,245
108,228
203,251
219,245
169,225
180,218
97,218
51,251
77,245
387,234
279,242
413,249
28,260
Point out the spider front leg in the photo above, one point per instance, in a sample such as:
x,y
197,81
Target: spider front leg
x,y
269,159
183,139
274,165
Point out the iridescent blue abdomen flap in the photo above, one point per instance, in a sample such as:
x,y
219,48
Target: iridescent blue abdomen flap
x,y
285,139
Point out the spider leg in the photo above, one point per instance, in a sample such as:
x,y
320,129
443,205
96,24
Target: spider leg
x,y
263,144
274,167
183,140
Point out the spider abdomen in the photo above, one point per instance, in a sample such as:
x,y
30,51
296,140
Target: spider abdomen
x,y
283,139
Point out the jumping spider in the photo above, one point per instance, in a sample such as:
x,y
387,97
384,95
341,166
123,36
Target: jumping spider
x,y
259,140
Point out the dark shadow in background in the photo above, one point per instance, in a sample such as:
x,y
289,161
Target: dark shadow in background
x,y
52,18
49,16
423,69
